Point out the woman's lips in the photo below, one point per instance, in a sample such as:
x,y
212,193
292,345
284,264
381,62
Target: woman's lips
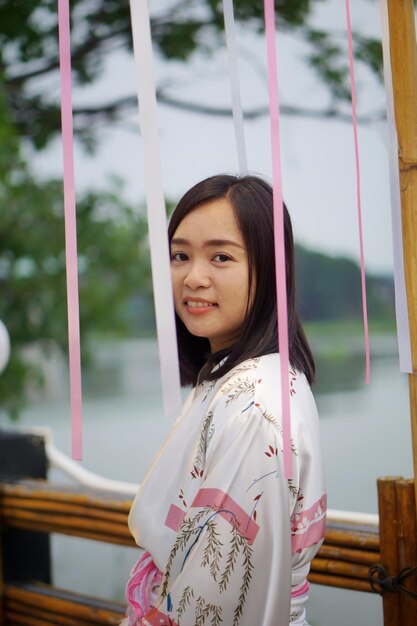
x,y
198,307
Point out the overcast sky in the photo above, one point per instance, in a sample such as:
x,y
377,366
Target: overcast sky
x,y
318,155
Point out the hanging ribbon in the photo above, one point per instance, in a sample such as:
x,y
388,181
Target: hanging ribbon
x,y
358,194
70,229
229,24
279,233
158,238
401,309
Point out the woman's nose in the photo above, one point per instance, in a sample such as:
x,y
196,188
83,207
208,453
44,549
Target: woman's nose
x,y
197,276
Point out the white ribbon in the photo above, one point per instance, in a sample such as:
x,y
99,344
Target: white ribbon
x,y
401,310
229,24
158,238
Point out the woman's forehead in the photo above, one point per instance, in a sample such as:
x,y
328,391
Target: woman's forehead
x,y
214,220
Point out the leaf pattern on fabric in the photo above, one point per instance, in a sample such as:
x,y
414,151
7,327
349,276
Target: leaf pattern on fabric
x,y
210,386
186,596
203,610
253,512
212,552
270,418
292,488
271,451
237,388
293,380
182,498
295,615
250,364
205,437
186,532
236,560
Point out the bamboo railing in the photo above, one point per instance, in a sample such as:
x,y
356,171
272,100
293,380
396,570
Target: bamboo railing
x,y
42,605
343,560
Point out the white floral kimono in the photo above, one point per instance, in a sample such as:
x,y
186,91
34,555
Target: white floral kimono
x,y
230,539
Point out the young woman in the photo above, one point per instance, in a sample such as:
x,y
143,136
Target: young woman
x,y
228,540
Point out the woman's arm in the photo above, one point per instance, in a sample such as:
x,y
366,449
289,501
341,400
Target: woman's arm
x,y
231,561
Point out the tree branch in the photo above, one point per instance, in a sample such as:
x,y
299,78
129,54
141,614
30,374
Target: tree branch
x,y
93,43
112,109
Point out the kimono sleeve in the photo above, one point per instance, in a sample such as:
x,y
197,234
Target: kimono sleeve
x,y
231,560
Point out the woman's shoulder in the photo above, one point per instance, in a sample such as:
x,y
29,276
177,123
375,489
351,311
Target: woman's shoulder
x,y
254,385
264,369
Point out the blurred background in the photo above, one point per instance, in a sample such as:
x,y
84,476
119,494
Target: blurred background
x,y
365,429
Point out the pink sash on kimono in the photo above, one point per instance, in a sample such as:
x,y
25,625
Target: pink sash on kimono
x,y
142,589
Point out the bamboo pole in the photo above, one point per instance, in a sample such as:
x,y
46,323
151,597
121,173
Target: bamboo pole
x,y
407,547
388,523
354,538
341,582
39,600
403,52
336,553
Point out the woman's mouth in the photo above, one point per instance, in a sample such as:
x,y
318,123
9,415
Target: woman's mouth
x,y
196,307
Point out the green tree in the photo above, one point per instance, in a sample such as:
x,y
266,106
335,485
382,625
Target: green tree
x,y
182,29
113,256
329,288
113,265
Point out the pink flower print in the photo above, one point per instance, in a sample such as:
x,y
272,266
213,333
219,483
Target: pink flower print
x,y
256,500
181,497
195,472
299,523
272,451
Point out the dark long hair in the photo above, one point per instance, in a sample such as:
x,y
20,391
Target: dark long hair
x,y
251,199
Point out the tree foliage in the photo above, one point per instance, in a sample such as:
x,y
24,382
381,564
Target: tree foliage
x,y
329,288
182,29
113,257
113,265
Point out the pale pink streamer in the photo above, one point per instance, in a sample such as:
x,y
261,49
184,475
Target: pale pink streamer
x,y
70,229
358,190
158,238
279,233
229,25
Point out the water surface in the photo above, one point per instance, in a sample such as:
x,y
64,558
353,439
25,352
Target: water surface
x,y
365,433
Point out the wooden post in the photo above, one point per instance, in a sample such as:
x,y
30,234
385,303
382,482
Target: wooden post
x,y
403,51
407,547
388,530
25,555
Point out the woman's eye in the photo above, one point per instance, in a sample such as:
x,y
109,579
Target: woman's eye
x,y
221,258
179,256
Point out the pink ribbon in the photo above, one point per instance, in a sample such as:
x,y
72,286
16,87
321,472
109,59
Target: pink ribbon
x,y
358,193
279,233
70,229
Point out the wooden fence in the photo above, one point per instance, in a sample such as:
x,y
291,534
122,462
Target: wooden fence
x,y
32,505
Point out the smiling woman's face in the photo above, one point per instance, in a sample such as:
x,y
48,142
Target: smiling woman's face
x,y
209,268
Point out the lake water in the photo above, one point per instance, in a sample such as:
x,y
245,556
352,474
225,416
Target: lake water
x,y
365,432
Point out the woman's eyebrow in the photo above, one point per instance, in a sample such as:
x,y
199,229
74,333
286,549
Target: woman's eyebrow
x,y
210,243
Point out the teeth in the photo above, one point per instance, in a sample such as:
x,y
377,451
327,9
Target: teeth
x,y
198,305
